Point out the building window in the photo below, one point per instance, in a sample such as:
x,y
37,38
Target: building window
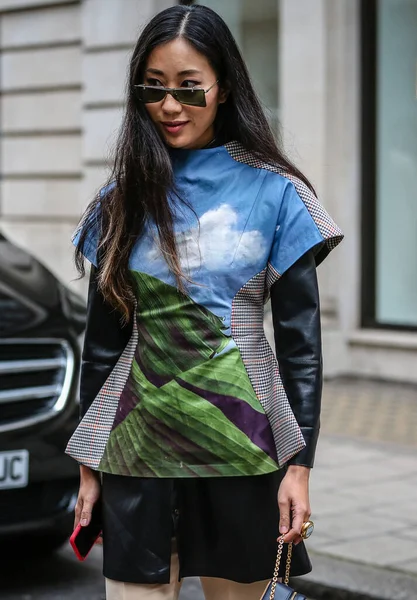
x,y
255,27
389,55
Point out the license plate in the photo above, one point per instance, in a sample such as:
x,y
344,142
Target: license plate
x,y
14,469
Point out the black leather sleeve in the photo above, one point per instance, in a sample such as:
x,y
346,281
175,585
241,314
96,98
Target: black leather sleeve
x,y
297,330
104,341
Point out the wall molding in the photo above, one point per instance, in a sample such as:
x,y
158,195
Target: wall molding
x,y
40,133
40,46
39,6
73,87
44,176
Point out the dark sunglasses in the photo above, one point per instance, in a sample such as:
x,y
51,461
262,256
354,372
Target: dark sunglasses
x,y
155,93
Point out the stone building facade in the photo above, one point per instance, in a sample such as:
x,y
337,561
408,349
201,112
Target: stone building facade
x,y
63,69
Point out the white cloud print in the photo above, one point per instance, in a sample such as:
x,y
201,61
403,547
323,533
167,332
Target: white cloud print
x,y
213,244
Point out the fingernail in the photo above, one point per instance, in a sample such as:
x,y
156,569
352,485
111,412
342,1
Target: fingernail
x,y
83,522
283,529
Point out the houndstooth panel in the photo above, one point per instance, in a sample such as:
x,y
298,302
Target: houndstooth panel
x,y
90,438
272,276
247,329
331,233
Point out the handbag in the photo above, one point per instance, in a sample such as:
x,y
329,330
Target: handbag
x,y
281,591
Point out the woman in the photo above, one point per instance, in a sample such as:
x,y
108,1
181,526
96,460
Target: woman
x,y
199,444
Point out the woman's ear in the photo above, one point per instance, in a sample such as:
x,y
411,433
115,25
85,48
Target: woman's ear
x,y
224,93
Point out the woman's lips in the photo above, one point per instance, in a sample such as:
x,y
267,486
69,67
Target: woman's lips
x,y
174,127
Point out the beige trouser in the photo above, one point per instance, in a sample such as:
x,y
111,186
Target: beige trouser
x,y
214,589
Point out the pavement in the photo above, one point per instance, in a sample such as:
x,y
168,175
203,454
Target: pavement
x,y
363,492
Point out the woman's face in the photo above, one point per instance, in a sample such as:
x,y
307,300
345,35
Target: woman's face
x,y
178,64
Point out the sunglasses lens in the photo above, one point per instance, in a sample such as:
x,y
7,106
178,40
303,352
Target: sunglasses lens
x,y
149,95
191,97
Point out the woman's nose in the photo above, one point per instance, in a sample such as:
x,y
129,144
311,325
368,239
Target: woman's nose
x,y
171,105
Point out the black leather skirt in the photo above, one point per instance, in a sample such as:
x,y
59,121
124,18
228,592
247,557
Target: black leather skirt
x,y
222,527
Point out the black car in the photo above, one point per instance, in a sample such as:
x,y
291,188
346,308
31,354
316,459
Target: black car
x,y
41,323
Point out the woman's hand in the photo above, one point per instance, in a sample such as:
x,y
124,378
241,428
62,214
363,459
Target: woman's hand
x,y
88,495
293,502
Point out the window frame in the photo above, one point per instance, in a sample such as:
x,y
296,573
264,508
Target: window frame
x,y
369,138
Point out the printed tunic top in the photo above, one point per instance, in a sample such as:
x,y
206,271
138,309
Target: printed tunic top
x,y
197,391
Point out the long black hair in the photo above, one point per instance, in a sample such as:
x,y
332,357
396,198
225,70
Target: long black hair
x,y
142,171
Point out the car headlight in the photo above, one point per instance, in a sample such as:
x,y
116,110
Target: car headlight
x,y
16,313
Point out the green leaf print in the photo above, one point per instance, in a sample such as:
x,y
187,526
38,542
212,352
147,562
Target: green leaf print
x,y
188,409
175,333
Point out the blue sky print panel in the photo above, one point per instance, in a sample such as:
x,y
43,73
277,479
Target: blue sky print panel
x,y
217,256
209,246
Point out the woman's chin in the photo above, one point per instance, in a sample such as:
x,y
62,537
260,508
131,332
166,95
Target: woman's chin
x,y
186,141
175,142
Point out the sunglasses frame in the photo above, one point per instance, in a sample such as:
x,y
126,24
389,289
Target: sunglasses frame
x,y
174,93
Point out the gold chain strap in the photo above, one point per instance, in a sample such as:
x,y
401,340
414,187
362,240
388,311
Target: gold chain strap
x,y
277,564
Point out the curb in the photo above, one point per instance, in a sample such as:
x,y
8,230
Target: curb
x,y
336,579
